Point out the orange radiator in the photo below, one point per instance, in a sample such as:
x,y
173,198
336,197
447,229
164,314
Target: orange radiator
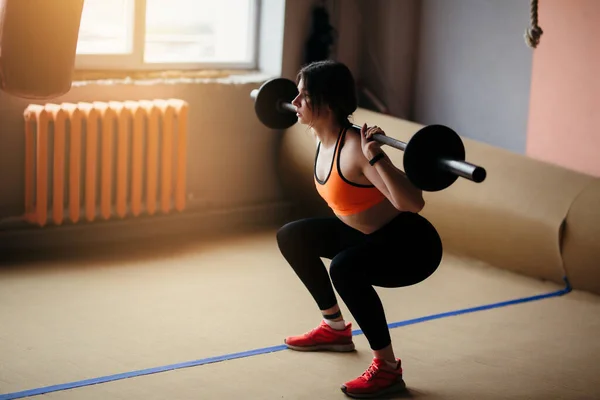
x,y
104,160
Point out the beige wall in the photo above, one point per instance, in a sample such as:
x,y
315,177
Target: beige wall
x,y
230,153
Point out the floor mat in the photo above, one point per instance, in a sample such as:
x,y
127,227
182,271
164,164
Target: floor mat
x,y
149,306
539,350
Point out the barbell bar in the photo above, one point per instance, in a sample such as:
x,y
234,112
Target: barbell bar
x,y
434,157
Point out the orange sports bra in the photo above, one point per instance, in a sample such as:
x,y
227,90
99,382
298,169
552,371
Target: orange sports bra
x,y
342,196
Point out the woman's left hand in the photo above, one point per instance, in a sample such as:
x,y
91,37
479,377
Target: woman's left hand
x,y
370,147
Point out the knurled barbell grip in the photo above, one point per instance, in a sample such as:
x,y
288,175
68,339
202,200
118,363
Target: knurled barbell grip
x,y
378,137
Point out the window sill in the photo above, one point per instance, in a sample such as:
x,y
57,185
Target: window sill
x,y
110,77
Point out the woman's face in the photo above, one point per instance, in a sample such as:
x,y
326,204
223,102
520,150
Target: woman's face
x,y
304,110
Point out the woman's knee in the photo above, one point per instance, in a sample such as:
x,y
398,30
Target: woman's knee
x,y
284,233
290,234
345,270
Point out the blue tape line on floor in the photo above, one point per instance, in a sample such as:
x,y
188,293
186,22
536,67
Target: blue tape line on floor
x,y
125,375
265,350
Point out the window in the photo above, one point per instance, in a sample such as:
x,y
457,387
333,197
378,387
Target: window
x,y
162,34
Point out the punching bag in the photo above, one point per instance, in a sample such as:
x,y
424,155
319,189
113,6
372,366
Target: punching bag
x,y
38,43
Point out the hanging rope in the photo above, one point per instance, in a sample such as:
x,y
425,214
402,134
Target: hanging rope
x,y
534,32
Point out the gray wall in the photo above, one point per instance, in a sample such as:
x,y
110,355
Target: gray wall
x,y
474,69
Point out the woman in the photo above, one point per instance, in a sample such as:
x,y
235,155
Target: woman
x,y
376,238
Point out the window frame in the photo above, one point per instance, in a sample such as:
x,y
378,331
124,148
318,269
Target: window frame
x,y
134,61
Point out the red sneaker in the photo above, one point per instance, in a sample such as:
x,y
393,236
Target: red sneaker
x,y
323,337
379,379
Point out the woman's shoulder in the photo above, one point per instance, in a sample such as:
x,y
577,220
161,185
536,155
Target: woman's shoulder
x,y
351,138
352,146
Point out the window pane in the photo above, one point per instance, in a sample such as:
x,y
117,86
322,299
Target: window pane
x,y
199,31
106,27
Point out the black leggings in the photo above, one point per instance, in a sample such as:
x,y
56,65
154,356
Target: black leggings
x,y
405,251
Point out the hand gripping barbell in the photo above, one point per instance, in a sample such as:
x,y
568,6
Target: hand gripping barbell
x,y
433,157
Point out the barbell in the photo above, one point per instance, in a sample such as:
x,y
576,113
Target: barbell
x,y
434,157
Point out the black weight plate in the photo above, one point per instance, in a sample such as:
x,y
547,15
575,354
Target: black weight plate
x,y
422,155
269,95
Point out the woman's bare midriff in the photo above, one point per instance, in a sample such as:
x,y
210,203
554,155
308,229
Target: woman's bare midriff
x,y
372,219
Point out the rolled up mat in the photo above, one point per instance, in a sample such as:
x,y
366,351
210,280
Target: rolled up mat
x,y
513,220
38,43
581,244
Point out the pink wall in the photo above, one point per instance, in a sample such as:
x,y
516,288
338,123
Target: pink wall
x,y
564,116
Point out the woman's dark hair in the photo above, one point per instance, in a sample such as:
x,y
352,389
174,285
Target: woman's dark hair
x,y
330,83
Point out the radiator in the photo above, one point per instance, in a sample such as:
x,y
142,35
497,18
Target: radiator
x,y
96,161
